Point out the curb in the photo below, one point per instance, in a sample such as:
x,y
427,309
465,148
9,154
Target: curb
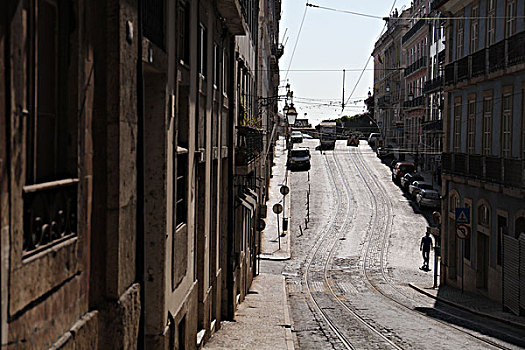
x,y
465,308
288,335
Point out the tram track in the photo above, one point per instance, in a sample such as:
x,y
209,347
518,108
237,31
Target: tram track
x,y
373,266
327,231
387,232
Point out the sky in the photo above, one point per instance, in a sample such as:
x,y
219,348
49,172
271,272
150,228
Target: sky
x,y
329,42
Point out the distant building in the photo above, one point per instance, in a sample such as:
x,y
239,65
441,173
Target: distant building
x,y
389,87
484,148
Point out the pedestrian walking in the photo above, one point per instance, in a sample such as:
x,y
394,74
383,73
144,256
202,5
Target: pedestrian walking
x,y
425,246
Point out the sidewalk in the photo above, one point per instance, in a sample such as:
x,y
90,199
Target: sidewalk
x,y
270,238
473,303
262,320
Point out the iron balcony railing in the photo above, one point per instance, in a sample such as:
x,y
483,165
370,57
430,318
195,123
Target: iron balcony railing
x,y
433,85
153,21
415,103
505,171
249,145
412,31
503,54
417,65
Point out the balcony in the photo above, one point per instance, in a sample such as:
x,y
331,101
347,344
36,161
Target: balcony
x,y
505,171
232,12
249,148
414,67
504,54
436,4
415,28
153,21
433,85
383,101
478,63
418,102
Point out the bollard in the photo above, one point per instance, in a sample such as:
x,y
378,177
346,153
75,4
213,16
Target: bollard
x,y
305,224
301,229
285,224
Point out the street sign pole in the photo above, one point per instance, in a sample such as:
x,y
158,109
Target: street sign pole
x,y
278,232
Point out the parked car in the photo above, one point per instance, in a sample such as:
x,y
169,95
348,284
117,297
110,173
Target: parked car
x,y
415,187
407,179
296,137
428,198
400,169
298,158
373,138
393,164
385,151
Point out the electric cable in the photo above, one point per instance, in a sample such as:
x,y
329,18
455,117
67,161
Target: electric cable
x,y
296,41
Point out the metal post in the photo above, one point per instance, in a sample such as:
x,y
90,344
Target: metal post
x,y
436,247
278,232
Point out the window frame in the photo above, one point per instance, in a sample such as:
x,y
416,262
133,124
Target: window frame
x,y
506,122
487,121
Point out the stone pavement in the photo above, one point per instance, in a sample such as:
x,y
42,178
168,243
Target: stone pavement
x,y
473,303
275,246
262,320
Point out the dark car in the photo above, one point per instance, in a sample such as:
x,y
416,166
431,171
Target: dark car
x,y
385,151
407,179
298,158
400,169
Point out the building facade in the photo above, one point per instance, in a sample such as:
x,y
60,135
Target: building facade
x,y
415,47
484,148
131,136
388,77
432,127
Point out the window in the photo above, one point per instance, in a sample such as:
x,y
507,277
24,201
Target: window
x,y
203,49
459,36
502,230
471,125
483,215
466,241
506,121
183,40
225,70
510,18
50,208
519,227
491,22
215,64
487,126
457,125
474,28
523,124
454,203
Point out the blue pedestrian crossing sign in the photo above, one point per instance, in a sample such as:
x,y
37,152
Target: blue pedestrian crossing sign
x,y
463,216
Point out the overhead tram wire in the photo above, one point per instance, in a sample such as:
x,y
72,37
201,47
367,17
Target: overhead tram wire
x,y
414,18
296,41
366,65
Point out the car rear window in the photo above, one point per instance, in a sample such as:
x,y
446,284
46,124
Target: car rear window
x,y
406,168
300,153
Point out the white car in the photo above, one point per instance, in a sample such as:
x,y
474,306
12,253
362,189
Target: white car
x,y
416,186
296,137
428,198
298,158
373,138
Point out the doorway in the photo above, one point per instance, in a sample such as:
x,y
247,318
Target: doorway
x,y
482,271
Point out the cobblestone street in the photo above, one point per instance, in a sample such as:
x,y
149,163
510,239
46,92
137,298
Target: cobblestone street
x,y
353,280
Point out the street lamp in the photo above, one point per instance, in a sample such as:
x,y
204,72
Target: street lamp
x,y
291,115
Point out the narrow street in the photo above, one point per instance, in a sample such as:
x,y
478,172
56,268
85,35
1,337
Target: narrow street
x,y
350,273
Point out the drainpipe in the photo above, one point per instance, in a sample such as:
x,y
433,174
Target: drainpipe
x,y
140,183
